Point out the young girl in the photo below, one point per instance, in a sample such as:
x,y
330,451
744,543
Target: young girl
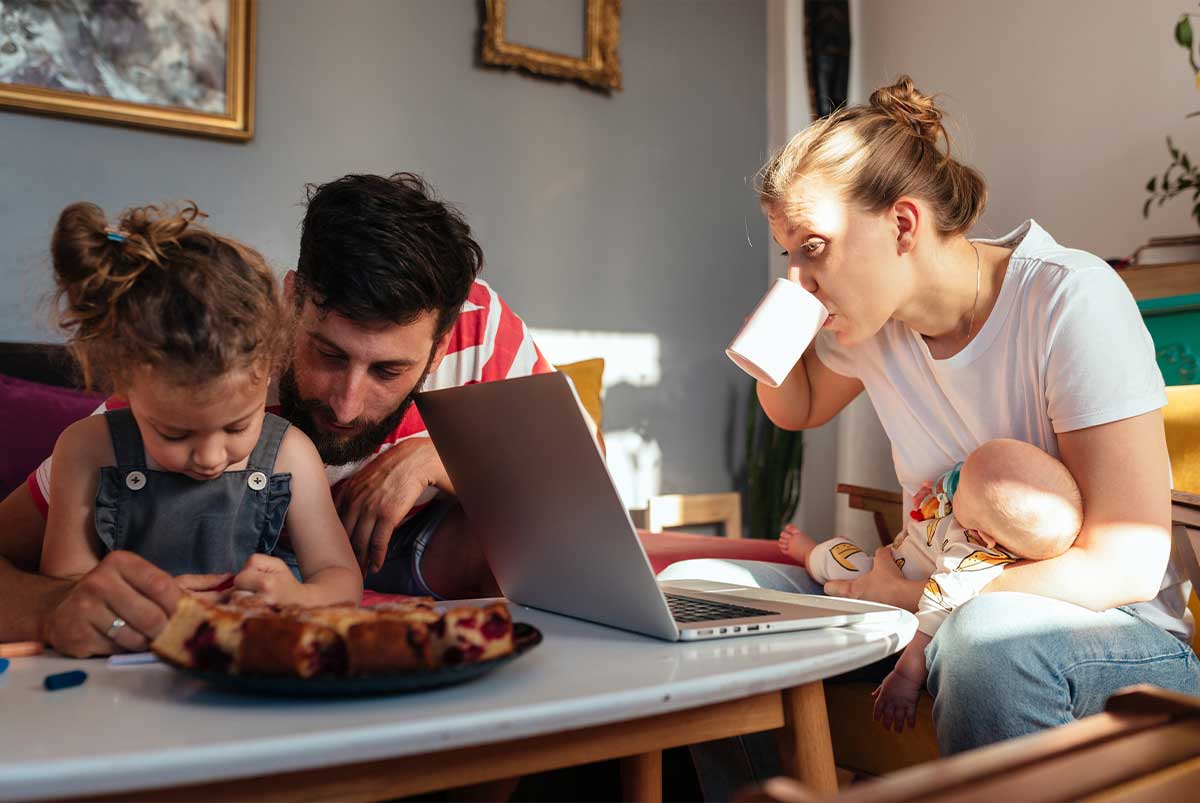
x,y
194,475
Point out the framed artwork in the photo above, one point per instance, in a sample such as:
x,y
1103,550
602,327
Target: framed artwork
x,y
180,65
599,67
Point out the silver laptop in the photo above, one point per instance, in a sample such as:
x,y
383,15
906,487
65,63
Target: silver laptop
x,y
524,462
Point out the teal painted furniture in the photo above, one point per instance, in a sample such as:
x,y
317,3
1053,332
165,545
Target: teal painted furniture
x,y
1174,324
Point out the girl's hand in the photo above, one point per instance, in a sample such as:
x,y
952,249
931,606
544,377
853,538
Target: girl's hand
x,y
211,587
269,578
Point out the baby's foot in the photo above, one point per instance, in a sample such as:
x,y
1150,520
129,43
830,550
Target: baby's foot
x,y
795,544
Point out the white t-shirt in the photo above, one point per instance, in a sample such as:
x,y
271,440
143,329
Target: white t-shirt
x,y
1063,349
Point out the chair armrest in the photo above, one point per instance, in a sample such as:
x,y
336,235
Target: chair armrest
x,y
1185,533
1144,746
1185,508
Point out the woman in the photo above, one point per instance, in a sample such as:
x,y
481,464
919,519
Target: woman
x,y
958,342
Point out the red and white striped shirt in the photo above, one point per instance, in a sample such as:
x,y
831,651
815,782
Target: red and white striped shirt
x,y
489,342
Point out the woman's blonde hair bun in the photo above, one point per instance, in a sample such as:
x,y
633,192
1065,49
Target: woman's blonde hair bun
x,y
876,152
908,106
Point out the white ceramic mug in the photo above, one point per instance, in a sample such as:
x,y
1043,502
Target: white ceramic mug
x,y
775,336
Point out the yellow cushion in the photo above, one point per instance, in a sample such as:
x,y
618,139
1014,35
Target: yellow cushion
x,y
1181,417
587,376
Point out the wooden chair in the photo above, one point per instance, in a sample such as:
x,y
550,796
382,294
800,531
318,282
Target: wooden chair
x,y
689,510
1144,746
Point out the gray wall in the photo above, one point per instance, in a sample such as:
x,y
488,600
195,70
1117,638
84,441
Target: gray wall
x,y
622,213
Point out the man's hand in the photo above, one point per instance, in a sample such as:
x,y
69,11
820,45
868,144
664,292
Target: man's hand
x,y
122,586
376,499
884,583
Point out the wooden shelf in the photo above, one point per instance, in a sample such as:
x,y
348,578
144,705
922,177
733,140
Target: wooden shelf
x,y
1162,281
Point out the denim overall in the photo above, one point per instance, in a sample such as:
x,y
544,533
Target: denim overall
x,y
184,525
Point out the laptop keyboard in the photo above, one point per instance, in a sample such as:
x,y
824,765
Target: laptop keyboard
x,y
689,609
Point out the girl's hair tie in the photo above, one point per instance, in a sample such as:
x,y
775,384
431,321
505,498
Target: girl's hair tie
x,y
114,235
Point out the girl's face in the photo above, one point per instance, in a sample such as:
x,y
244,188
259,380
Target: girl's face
x,y
199,431
846,257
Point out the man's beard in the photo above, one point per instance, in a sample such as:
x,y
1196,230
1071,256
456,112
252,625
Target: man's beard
x,y
338,450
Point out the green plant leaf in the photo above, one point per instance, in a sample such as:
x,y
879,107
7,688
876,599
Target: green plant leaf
x,y
1150,185
1171,147
1183,32
1146,208
1183,160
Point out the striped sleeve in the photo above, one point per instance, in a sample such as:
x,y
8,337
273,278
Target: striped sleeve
x,y
488,342
514,353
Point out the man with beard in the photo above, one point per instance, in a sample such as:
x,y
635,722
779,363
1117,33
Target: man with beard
x,y
387,303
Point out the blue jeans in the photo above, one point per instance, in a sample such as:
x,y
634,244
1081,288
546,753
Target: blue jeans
x,y
1007,664
1054,662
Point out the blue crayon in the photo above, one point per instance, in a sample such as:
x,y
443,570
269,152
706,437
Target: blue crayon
x,y
3,665
64,680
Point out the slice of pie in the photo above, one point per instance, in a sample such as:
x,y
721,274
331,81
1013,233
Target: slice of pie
x,y
201,635
467,635
279,645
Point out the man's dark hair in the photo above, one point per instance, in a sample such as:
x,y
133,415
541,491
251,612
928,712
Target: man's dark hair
x,y
375,249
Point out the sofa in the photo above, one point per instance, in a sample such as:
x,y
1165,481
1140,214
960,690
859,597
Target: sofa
x,y
39,397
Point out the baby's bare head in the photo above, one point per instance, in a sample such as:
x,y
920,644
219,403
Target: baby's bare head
x,y
1020,496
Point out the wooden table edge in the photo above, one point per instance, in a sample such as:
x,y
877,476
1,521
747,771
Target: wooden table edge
x,y
799,711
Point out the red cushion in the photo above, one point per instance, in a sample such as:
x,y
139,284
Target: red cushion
x,y
663,549
32,416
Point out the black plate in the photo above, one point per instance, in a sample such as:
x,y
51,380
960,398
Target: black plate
x,y
525,638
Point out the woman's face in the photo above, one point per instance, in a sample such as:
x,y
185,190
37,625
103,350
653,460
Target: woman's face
x,y
846,257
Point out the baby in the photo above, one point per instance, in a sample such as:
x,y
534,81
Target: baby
x,y
1007,501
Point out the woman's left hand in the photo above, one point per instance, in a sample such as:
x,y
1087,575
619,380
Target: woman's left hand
x,y
884,583
269,578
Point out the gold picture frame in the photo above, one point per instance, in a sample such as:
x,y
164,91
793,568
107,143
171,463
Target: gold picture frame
x,y
600,66
235,122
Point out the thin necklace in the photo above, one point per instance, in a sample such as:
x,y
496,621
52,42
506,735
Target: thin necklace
x,y
974,306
